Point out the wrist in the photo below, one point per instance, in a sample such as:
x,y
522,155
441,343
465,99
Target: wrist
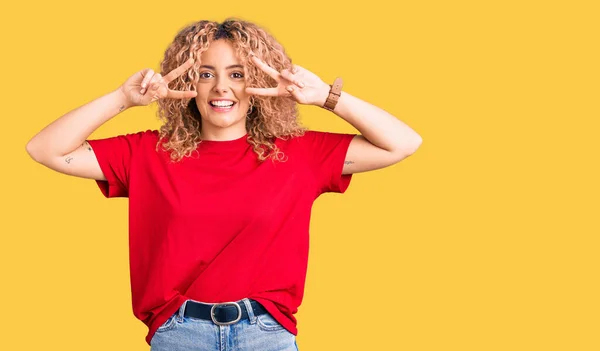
x,y
333,95
122,99
323,94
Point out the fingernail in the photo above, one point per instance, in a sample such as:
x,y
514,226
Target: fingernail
x,y
290,89
301,85
142,91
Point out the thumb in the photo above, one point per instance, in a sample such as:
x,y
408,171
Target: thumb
x,y
296,94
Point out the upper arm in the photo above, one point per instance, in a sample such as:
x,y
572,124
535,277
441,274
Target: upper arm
x,y
362,156
80,163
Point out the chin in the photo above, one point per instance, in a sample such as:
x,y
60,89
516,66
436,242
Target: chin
x,y
224,122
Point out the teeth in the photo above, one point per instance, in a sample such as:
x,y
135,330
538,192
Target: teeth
x,y
222,103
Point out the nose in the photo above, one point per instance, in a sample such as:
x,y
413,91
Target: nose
x,y
221,85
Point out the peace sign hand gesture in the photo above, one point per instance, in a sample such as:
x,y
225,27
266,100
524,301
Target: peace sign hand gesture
x,y
146,86
299,84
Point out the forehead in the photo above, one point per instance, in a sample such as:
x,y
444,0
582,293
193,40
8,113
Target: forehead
x,y
219,53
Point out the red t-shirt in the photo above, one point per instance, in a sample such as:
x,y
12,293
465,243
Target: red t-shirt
x,y
219,226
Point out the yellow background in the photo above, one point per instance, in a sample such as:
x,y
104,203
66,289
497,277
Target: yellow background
x,y
485,239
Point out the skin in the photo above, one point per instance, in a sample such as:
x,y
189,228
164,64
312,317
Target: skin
x,y
383,140
222,76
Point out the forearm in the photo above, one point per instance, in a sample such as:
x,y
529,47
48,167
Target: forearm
x,y
69,131
377,126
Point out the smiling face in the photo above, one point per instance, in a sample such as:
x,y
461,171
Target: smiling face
x,y
222,100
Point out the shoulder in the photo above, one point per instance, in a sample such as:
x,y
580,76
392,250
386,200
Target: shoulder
x,y
307,136
148,134
315,138
143,137
296,141
313,143
128,143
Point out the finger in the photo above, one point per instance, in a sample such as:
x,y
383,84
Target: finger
x,y
289,76
265,68
155,82
295,92
294,69
147,74
263,91
177,94
179,70
149,85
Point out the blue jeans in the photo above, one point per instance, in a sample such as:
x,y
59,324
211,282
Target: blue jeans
x,y
264,333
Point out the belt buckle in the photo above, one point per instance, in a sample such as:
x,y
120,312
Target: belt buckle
x,y
212,313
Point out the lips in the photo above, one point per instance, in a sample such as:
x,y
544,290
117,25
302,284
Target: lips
x,y
222,103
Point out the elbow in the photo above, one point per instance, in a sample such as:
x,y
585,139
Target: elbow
x,y
30,151
415,144
409,148
33,152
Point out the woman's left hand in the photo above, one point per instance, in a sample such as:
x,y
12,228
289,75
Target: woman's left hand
x,y
300,84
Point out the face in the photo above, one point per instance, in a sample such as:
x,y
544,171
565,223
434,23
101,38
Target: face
x,y
221,99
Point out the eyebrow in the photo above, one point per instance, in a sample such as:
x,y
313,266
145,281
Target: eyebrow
x,y
228,67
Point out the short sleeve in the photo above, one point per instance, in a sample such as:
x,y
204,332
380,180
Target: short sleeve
x,y
326,153
114,156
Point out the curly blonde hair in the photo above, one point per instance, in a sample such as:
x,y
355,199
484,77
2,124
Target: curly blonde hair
x,y
270,117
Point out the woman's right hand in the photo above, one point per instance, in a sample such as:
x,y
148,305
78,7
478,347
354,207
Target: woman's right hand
x,y
146,86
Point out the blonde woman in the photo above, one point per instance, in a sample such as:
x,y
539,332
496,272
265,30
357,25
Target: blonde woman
x,y
220,197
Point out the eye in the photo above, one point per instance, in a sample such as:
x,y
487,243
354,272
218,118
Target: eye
x,y
238,75
204,75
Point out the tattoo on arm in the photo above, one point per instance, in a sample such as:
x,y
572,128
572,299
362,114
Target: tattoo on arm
x,y
121,108
85,145
348,162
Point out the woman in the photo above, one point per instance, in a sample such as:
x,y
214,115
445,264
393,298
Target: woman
x,y
220,196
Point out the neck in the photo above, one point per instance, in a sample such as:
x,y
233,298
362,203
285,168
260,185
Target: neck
x,y
222,134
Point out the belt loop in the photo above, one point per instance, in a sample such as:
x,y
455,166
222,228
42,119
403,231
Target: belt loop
x,y
250,311
181,311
